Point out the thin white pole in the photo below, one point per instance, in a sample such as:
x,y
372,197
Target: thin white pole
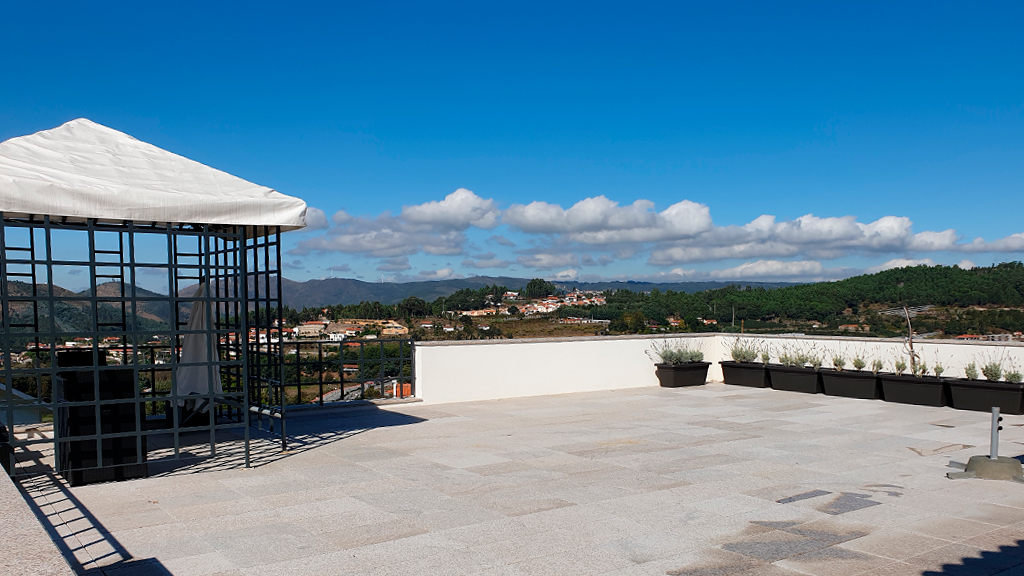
x,y
994,450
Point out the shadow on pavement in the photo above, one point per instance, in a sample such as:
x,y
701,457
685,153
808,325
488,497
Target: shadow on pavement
x,y
1007,560
86,545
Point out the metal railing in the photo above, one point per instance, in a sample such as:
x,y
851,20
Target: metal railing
x,y
320,372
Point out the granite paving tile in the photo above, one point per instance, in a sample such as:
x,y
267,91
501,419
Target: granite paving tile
x,y
639,481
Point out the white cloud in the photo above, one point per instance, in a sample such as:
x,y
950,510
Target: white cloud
x,y
603,260
381,237
1011,243
760,270
566,275
602,221
934,241
901,263
395,264
808,235
691,254
340,268
966,264
681,234
767,269
341,218
315,219
501,241
442,274
485,260
459,210
544,261
434,227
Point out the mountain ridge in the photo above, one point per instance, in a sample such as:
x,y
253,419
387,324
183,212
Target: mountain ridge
x,y
331,291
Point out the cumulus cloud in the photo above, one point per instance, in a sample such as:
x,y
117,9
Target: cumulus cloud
x,y
681,234
315,219
545,261
965,264
383,237
934,241
435,227
600,220
568,275
501,241
760,270
340,268
603,260
808,235
459,210
442,274
485,260
771,269
395,264
1011,243
901,263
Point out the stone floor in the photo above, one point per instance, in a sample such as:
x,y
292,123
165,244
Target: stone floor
x,y
713,480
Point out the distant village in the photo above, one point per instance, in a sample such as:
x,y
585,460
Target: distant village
x,y
512,305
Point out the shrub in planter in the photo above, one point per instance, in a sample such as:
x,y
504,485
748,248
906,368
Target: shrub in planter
x,y
916,388
679,364
850,383
796,372
744,370
973,394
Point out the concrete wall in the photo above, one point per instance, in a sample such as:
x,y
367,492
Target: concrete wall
x,y
493,369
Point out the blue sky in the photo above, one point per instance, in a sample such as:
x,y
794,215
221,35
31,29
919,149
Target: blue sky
x,y
674,141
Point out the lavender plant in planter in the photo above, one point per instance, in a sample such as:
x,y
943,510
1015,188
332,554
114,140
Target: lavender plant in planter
x,y
856,383
679,364
916,388
972,393
744,369
796,372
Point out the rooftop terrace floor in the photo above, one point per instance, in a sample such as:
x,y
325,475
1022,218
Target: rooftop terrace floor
x,y
711,480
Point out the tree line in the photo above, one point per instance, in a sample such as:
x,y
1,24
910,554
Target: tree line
x,y
414,307
859,297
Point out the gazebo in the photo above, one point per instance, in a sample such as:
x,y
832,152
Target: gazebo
x,y
134,287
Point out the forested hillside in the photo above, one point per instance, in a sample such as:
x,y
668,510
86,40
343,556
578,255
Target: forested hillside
x,y
980,299
952,290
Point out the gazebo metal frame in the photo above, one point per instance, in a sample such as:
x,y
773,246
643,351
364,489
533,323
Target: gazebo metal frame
x,y
122,342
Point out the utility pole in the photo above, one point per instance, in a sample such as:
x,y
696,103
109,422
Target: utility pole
x,y
733,315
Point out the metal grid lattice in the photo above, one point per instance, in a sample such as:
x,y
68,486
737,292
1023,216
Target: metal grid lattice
x,y
90,379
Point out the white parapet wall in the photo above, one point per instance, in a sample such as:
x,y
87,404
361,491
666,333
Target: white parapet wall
x,y
464,371
493,369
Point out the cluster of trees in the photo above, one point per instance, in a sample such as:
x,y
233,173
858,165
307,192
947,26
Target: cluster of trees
x,y
831,302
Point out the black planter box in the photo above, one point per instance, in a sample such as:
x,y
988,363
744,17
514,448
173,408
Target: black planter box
x,y
906,389
677,375
982,395
745,374
851,384
795,379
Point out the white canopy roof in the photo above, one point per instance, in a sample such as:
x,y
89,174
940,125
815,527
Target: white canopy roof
x,y
84,170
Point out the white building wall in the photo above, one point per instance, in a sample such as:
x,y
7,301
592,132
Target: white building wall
x,y
494,369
